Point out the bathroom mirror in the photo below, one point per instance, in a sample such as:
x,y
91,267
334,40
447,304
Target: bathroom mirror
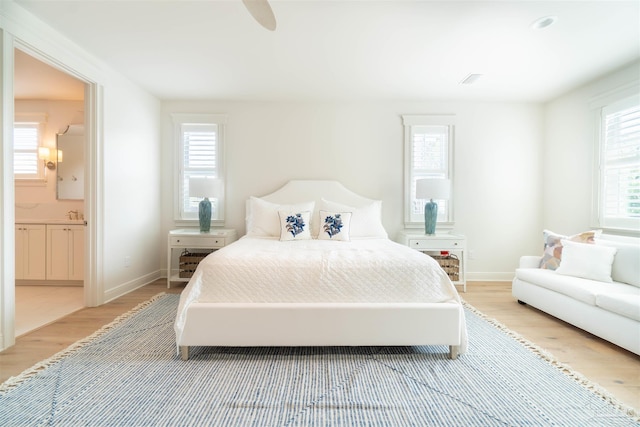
x,y
70,181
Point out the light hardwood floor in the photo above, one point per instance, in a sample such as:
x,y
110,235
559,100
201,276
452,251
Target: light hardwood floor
x,y
37,306
613,368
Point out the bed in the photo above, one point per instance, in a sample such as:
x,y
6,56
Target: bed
x,y
316,268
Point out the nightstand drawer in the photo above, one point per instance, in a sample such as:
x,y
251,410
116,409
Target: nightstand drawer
x,y
195,242
434,244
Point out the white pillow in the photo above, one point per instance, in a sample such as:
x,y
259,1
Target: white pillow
x,y
366,221
263,219
334,226
586,261
295,225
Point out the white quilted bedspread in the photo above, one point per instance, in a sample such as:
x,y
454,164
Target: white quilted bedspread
x,y
263,270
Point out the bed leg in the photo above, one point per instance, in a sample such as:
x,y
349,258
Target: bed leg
x,y
184,352
453,351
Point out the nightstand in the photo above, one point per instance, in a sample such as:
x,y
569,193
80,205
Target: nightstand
x,y
192,238
434,245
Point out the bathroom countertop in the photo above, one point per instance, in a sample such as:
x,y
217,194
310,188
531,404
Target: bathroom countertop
x,y
51,221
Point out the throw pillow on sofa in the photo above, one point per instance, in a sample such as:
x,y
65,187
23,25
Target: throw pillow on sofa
x,y
586,261
552,254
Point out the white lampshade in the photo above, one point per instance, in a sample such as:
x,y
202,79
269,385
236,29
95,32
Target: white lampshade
x,y
433,188
44,153
205,187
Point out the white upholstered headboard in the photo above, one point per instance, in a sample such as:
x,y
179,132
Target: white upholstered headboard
x,y
298,191
366,220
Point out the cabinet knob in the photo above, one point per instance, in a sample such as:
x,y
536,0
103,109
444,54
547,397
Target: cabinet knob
x,y
178,240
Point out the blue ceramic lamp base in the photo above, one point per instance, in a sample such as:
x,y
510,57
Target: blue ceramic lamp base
x,y
430,217
204,214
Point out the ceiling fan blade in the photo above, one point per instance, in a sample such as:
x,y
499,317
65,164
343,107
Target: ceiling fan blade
x,y
261,11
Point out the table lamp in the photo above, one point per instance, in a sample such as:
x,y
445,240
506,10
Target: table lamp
x,y
432,189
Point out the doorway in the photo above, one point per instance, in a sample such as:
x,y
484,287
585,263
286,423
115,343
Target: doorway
x,y
55,100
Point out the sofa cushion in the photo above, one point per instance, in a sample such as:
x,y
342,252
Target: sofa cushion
x,y
626,267
573,287
587,261
627,305
583,290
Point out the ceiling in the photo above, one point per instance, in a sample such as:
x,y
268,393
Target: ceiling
x,y
352,50
36,80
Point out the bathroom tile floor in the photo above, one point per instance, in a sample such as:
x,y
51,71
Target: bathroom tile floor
x,y
37,306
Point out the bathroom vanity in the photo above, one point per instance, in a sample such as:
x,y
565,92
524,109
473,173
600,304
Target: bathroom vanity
x,y
51,250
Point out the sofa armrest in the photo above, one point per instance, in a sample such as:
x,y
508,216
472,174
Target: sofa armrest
x,y
529,261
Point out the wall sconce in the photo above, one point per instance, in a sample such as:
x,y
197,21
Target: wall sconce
x,y
44,154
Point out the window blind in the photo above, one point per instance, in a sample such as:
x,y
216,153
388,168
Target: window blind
x,y
430,148
429,159
200,159
620,165
25,150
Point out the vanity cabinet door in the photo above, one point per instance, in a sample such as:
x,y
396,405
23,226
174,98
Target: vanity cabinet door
x,y
30,251
76,252
65,254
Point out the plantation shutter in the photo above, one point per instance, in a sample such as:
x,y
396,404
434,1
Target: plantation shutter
x,y
430,149
429,159
620,165
25,150
200,159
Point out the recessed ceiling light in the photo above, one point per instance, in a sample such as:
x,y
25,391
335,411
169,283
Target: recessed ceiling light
x,y
470,79
544,22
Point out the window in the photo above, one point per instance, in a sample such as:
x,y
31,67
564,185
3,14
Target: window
x,y
619,165
27,137
199,155
428,154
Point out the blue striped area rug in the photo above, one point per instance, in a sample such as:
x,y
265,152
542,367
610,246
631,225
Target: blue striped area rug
x,y
128,374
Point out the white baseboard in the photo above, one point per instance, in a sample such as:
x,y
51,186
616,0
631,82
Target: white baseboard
x,y
132,285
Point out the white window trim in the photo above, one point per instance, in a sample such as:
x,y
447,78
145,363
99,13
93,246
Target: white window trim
x,y
597,106
428,120
41,119
178,120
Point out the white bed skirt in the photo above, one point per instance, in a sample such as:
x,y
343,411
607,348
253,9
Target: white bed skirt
x,y
323,324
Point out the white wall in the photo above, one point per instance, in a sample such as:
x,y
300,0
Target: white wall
x,y
497,163
569,151
132,194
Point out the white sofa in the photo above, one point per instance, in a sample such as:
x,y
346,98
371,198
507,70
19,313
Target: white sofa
x,y
610,310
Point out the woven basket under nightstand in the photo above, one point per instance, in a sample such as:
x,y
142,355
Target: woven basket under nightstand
x,y
189,262
450,264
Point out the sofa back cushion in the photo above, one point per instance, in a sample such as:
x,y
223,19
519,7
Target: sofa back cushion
x,y
588,261
626,263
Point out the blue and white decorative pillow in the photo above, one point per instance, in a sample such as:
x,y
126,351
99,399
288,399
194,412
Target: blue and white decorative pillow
x,y
366,220
295,225
335,226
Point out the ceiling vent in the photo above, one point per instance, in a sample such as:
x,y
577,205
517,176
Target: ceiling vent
x,y
544,22
471,79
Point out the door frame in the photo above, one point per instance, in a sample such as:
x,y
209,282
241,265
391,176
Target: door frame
x,y
93,187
